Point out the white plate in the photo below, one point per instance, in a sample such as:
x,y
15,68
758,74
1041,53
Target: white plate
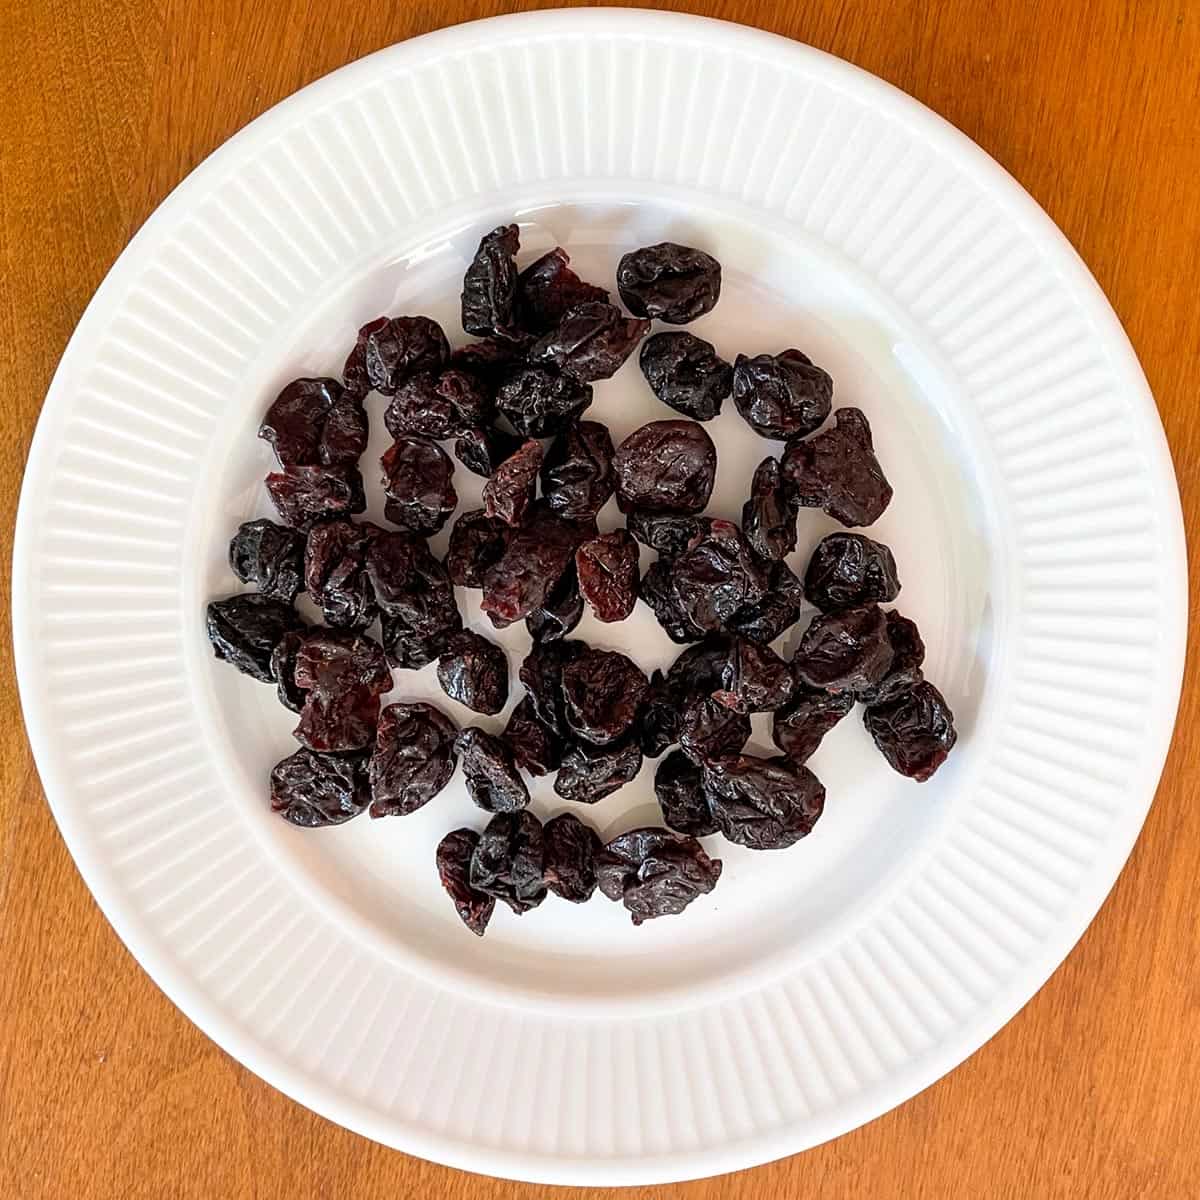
x,y
1036,524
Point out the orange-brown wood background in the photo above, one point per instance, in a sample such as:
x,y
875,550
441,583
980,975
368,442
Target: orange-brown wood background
x,y
107,1091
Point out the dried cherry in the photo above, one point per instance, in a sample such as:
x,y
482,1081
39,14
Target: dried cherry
x,y
313,422
577,475
532,564
674,283
590,343
508,861
908,653
313,790
607,567
418,481
304,495
603,694
665,534
269,556
710,732
717,576
589,773
686,373
335,572
482,450
390,349
547,288
534,745
781,395
764,803
416,597
658,591
439,404
474,671
476,542
491,775
777,611
569,866
666,467
453,858
847,569
489,294
244,630
561,611
539,402
845,651
510,491
800,725
769,516
679,786
914,732
343,676
753,678
655,873
413,760
541,673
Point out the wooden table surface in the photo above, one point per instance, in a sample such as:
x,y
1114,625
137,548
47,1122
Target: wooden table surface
x,y
107,1091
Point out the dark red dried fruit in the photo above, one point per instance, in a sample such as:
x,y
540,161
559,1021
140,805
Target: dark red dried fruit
x,y
510,491
846,651
658,591
561,612
418,481
342,675
547,288
244,630
837,470
847,569
539,402
314,790
603,693
390,349
577,476
764,803
718,576
655,873
781,395
489,294
589,773
569,867
686,373
607,567
753,678
335,570
534,561
283,667
666,467
270,557
481,451
669,536
535,747
438,404
541,673
474,671
775,613
709,732
799,727
416,597
908,653
491,775
486,360
476,542
659,726
508,861
674,283
915,732
312,422
304,495
590,343
679,786
413,758
454,854
769,516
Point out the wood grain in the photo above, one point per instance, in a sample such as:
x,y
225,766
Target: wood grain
x,y
107,1091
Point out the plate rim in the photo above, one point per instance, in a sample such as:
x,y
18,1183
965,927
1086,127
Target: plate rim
x,y
949,1051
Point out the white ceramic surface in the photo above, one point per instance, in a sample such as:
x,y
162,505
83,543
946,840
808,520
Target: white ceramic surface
x,y
1036,525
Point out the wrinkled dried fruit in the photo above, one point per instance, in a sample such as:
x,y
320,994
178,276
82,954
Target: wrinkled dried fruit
x,y
837,470
753,678
508,861
571,847
667,535
666,467
915,732
270,557
769,516
658,591
510,491
674,283
313,790
304,495
416,597
283,668
655,873
590,343
547,288
439,404
244,630
413,758
390,349
577,476
764,803
541,673
561,612
908,653
775,613
535,747
491,775
532,564
710,732
453,859
847,569
342,675
486,360
781,395
335,571
589,773
659,726
679,786
476,542
418,481
717,576
481,451
603,693
489,294
799,727
313,422
845,651
607,567
686,373
474,671
539,402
